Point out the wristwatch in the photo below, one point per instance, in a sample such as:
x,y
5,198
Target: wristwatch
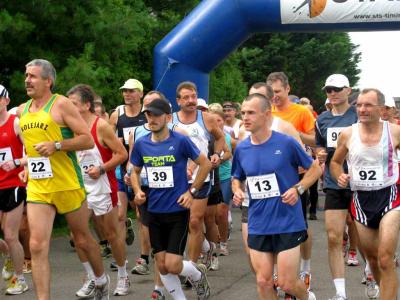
x,y
193,191
299,188
57,145
17,162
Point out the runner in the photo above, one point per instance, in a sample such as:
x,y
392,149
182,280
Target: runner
x,y
164,154
337,200
12,196
274,191
52,131
98,167
370,147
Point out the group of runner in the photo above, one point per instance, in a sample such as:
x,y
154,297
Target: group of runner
x,y
139,155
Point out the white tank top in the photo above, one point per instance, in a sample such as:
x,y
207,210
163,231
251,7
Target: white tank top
x,y
92,157
198,134
372,167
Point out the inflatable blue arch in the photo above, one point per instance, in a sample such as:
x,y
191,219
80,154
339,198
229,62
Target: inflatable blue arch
x,y
215,28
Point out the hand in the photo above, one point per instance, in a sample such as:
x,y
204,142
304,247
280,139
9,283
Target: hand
x,y
291,196
140,198
215,160
185,200
127,179
23,176
45,148
238,197
343,180
322,155
8,166
94,172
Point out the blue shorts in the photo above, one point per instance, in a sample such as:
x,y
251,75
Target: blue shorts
x,y
226,189
204,191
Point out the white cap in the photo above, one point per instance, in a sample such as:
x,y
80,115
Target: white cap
x,y
3,92
202,103
327,101
132,84
337,80
389,101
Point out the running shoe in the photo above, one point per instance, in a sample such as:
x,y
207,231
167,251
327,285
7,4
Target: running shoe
x,y
87,290
364,278
27,267
279,292
311,296
113,266
123,286
223,249
338,297
345,244
289,297
313,216
130,233
306,278
141,267
214,263
202,286
372,289
105,250
230,228
352,258
101,291
8,269
16,287
208,256
156,295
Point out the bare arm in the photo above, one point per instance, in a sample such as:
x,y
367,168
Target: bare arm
x,y
113,120
204,168
140,196
336,165
308,138
238,193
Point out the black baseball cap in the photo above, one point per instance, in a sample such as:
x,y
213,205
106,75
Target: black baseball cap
x,y
158,107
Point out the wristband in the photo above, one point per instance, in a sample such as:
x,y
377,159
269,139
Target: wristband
x,y
102,171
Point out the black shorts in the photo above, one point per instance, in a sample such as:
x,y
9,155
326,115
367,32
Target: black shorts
x,y
337,199
245,214
168,231
369,207
215,198
11,198
143,213
204,191
305,201
276,243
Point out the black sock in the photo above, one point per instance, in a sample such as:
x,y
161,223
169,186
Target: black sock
x,y
145,257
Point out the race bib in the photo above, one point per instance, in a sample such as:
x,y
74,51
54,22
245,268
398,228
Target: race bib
x,y
264,186
39,168
333,136
5,154
370,176
87,164
160,177
126,131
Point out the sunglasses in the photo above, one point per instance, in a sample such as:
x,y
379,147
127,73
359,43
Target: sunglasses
x,y
331,89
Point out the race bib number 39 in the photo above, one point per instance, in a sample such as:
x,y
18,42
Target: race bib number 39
x,y
5,154
370,176
333,136
264,186
160,177
39,168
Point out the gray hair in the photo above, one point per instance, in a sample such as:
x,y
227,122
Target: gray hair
x,y
265,103
379,95
48,70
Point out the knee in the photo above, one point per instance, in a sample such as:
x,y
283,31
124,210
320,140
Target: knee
x,y
81,242
172,268
195,223
386,261
286,284
111,236
38,246
10,237
265,283
334,238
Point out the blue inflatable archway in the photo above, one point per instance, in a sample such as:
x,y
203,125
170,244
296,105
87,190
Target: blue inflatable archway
x,y
215,28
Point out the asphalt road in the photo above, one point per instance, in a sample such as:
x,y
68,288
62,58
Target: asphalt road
x,y
233,281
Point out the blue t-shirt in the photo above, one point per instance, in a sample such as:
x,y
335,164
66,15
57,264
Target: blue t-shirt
x,y
328,127
280,155
161,159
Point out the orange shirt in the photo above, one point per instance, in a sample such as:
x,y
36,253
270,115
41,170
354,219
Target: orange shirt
x,y
299,115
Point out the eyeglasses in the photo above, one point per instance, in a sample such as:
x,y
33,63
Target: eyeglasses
x,y
331,89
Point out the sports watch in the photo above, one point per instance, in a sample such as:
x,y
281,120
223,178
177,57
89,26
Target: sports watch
x,y
57,145
299,188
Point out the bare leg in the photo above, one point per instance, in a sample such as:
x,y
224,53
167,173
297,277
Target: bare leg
x,y
197,211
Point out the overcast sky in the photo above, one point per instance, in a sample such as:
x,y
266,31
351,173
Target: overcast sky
x,y
380,61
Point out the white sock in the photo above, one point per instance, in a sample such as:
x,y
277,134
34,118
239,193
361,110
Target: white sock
x,y
340,286
20,277
189,270
159,288
122,271
173,286
100,280
367,269
89,270
206,246
229,216
305,265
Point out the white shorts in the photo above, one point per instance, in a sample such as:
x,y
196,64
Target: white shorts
x,y
100,204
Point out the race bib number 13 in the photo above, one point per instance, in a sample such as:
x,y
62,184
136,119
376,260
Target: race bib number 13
x,y
39,168
264,186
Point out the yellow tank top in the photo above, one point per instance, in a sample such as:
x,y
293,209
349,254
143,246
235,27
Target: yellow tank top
x,y
64,172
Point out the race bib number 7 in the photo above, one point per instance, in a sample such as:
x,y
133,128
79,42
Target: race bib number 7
x,y
5,154
39,168
263,187
160,177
